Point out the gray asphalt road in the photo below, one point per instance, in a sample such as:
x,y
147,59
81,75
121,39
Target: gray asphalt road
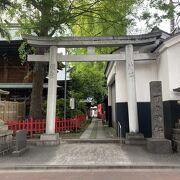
x,y
91,175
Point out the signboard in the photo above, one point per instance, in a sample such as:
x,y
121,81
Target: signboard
x,y
72,103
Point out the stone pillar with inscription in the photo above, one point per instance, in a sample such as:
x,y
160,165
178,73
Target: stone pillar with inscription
x,y
50,137
133,137
158,143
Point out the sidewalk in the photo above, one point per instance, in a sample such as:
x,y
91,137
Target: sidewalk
x,y
90,155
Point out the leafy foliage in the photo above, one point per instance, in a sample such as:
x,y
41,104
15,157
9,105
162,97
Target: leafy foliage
x,y
24,50
80,109
77,17
3,31
88,79
164,9
49,17
109,18
4,4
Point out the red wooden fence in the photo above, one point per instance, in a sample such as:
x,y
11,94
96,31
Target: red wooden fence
x,y
39,126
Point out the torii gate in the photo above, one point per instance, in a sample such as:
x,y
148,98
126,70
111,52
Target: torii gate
x,y
90,43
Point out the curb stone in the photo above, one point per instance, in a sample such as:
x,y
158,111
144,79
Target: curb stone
x,y
56,167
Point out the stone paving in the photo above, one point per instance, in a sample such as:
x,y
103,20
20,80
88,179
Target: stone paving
x,y
90,154
88,131
96,130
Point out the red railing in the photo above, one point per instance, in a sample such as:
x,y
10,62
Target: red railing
x,y
39,126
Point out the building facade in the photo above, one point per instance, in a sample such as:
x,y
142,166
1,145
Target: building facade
x,y
165,68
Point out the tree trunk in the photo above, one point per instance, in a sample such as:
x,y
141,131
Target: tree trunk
x,y
172,20
37,90
39,73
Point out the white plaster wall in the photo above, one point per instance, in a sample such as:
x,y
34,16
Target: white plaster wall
x,y
169,71
163,74
174,71
145,72
120,79
109,96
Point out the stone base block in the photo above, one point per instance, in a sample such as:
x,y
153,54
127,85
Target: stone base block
x,y
20,152
135,139
159,145
49,140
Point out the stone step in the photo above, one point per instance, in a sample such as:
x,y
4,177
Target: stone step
x,y
5,133
177,126
161,146
134,136
135,139
4,127
135,142
122,140
176,131
176,145
176,136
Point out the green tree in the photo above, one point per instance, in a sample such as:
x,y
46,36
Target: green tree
x,y
46,18
163,9
111,18
4,4
57,17
88,81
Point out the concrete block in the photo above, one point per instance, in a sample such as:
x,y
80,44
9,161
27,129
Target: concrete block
x,y
161,146
21,140
176,145
135,139
6,133
4,128
177,125
49,140
176,134
176,131
5,141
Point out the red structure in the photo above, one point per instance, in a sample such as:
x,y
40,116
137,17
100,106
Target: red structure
x,y
39,126
99,109
101,113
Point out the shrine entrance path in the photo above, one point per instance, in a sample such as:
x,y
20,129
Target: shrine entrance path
x,y
96,130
